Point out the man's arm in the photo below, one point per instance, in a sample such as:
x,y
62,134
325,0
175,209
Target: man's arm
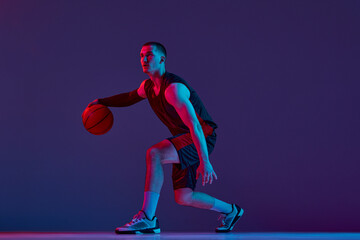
x,y
123,99
177,94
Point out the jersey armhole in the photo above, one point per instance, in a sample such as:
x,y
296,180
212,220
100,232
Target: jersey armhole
x,y
176,82
182,84
144,84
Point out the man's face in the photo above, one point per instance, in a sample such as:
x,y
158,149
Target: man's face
x,y
150,59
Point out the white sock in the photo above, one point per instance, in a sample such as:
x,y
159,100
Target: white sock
x,y
220,206
150,203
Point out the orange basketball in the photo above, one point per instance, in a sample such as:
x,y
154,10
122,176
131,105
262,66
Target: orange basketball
x,y
97,119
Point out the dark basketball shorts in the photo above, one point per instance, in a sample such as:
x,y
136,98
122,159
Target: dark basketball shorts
x,y
184,173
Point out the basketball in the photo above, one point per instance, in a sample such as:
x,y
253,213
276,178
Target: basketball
x,y
97,119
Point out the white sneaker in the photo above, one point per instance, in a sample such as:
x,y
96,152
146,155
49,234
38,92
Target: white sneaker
x,y
140,224
229,220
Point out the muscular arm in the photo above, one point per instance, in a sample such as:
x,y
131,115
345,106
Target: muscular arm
x,y
177,94
125,99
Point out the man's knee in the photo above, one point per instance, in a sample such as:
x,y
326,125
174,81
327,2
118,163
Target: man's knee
x,y
183,197
162,153
153,155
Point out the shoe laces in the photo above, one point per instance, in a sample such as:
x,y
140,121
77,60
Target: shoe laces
x,y
136,218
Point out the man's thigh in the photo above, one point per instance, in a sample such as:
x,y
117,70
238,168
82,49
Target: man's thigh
x,y
167,152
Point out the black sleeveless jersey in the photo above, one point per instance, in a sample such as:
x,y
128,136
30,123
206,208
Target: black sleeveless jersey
x,y
167,113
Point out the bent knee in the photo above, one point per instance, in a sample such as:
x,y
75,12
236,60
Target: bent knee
x,y
153,152
183,198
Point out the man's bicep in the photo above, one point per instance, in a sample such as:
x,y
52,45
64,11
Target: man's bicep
x,y
178,96
187,113
141,90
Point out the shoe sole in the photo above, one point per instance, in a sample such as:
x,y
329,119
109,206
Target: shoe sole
x,y
241,212
144,231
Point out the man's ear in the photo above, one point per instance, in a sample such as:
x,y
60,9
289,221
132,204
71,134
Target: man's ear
x,y
162,59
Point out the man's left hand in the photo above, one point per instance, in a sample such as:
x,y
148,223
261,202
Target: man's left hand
x,y
207,172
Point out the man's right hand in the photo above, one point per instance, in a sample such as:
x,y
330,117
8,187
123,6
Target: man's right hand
x,y
96,101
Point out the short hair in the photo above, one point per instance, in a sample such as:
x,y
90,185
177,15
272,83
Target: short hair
x,y
158,45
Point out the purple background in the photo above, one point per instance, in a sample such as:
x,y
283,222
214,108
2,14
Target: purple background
x,y
281,79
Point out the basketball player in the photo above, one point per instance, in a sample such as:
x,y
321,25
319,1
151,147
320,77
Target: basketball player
x,y
179,107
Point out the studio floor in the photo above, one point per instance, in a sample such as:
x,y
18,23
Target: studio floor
x,y
180,236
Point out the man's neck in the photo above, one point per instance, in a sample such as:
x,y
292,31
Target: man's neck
x,y
157,77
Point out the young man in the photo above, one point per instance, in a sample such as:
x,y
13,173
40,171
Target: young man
x,y
179,107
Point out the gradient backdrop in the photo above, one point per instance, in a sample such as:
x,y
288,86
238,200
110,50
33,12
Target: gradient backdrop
x,y
281,79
